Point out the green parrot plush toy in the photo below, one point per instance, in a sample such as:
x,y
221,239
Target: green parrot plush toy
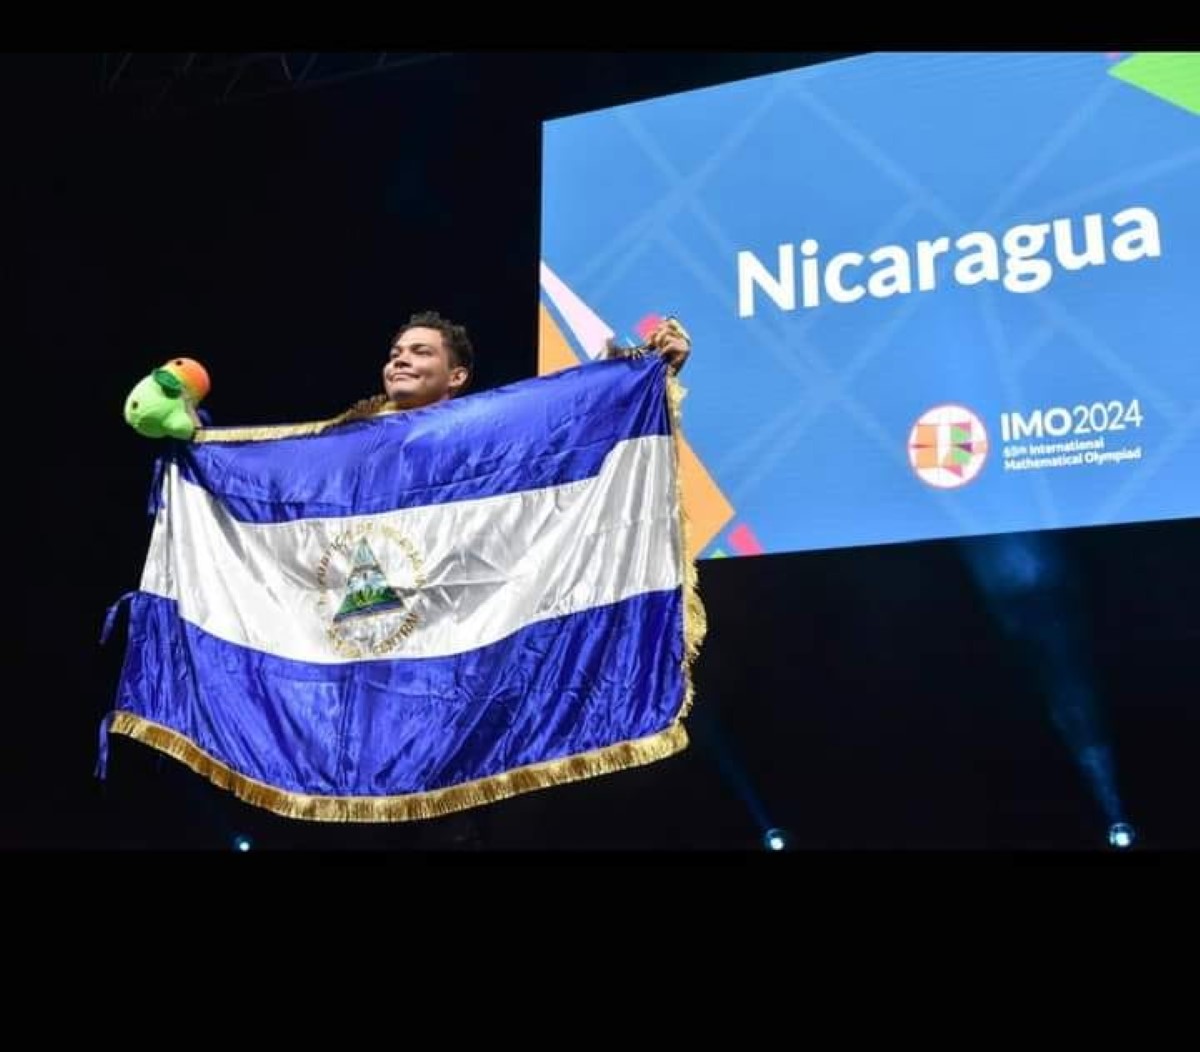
x,y
163,404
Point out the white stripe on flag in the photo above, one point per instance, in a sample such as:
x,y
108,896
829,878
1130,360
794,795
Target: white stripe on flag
x,y
459,575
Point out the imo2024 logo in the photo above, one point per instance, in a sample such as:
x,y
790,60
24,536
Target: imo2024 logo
x,y
947,446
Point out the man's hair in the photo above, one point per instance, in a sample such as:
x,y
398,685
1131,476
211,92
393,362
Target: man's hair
x,y
458,343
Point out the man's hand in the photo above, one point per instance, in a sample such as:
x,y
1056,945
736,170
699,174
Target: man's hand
x,y
670,339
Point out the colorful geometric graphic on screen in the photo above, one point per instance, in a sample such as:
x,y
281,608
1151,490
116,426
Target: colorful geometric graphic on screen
x,y
1173,76
582,336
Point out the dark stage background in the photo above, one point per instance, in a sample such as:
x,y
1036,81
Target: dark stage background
x,y
281,240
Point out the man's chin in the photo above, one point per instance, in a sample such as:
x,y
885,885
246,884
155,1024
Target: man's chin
x,y
403,395
410,399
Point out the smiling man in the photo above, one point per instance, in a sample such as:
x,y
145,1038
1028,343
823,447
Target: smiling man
x,y
430,361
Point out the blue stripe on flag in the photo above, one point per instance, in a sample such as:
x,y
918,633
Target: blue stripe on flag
x,y
553,689
540,432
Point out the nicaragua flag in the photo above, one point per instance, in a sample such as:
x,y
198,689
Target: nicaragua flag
x,y
424,611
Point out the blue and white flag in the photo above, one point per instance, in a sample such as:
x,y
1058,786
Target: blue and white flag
x,y
421,612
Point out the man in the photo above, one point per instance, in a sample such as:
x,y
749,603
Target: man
x,y
431,360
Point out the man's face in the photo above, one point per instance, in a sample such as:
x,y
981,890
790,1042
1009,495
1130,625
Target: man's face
x,y
418,371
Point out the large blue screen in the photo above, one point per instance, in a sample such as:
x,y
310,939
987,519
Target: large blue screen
x,y
931,295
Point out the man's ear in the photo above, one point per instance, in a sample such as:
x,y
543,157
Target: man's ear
x,y
458,378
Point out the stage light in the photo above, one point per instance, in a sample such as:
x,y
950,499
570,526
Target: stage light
x,y
775,840
241,843
1121,835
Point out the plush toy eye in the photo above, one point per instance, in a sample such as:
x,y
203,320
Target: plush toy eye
x,y
133,405
178,361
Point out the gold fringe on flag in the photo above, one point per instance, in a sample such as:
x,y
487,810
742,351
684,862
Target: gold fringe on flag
x,y
376,405
410,807
695,618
